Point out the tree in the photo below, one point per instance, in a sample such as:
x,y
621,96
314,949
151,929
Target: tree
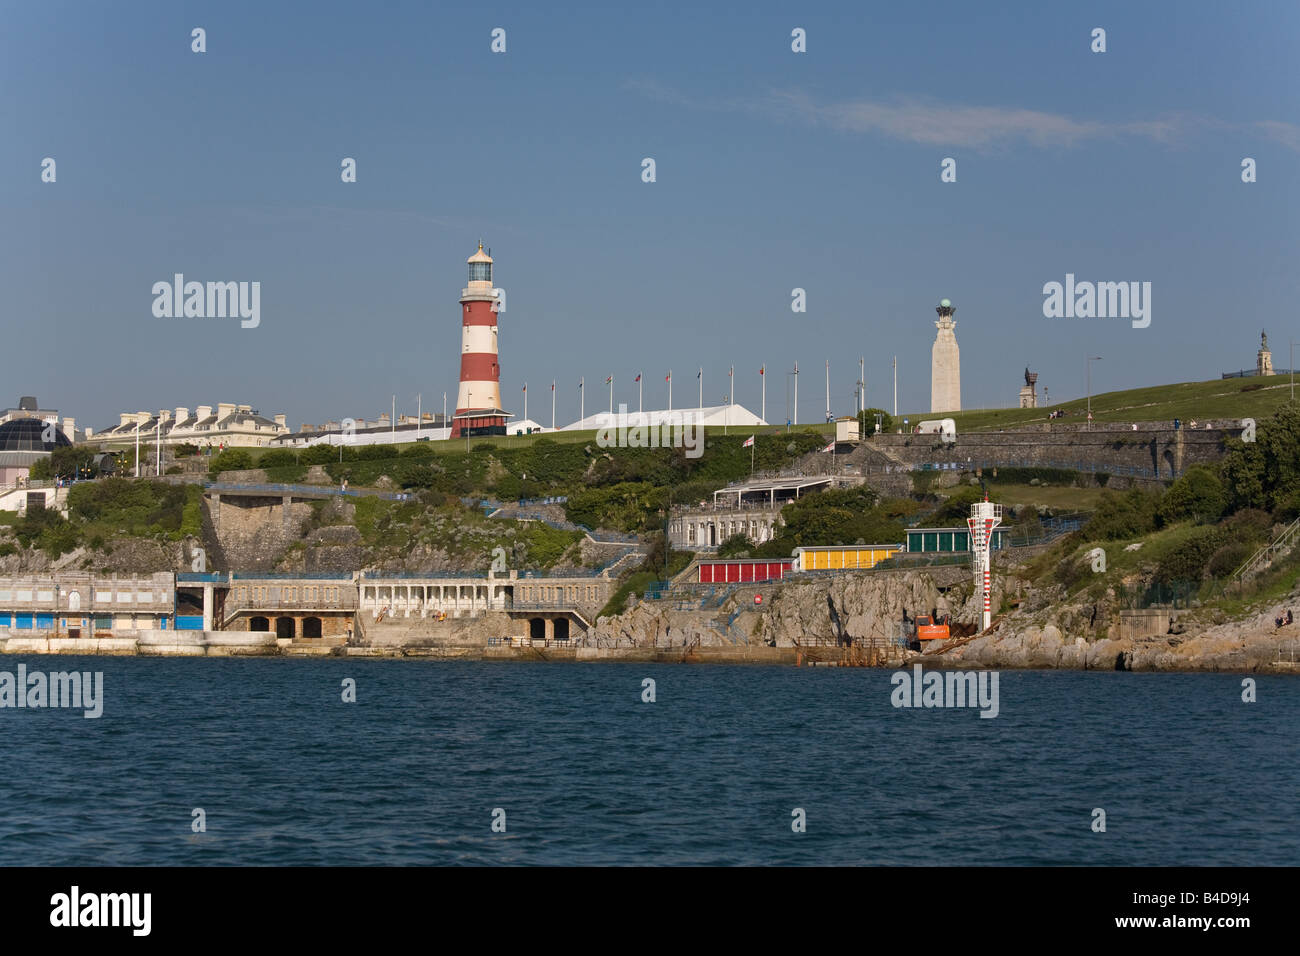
x,y
737,546
1197,495
867,420
1126,515
1265,473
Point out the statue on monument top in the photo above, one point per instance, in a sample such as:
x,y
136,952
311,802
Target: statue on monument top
x,y
1263,339
946,312
1030,377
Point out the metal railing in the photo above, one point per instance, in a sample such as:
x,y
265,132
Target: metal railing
x,y
1265,555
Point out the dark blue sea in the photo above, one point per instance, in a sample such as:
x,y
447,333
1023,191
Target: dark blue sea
x,y
587,773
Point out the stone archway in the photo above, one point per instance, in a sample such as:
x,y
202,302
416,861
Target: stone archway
x,y
259,624
286,627
311,627
561,628
537,628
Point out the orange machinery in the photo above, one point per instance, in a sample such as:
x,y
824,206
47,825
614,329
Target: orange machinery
x,y
930,628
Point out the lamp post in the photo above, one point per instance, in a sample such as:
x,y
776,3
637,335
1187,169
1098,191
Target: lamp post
x,y
1088,366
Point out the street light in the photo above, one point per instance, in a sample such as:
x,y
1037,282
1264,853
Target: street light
x,y
1088,366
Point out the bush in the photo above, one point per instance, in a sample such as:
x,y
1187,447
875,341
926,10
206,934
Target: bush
x,y
737,546
232,459
1072,570
1189,561
319,455
1229,558
1127,515
277,458
192,512
1197,495
955,509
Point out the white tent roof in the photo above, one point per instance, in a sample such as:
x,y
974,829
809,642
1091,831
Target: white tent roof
x,y
710,416
523,425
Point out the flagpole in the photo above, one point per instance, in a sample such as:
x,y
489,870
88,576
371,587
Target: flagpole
x,y
582,400
796,393
700,376
670,390
828,391
552,404
611,395
640,387
895,386
731,397
525,402
419,413
763,378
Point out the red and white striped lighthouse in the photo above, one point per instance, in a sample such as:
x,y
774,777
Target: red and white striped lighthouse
x,y
478,403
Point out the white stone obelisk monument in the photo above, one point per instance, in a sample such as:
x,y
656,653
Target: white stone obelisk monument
x,y
945,363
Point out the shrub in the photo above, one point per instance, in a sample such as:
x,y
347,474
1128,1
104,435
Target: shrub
x,y
1071,571
232,459
737,546
277,458
1229,558
1188,562
319,455
1197,495
1127,515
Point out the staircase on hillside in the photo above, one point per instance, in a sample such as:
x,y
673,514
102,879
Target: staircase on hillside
x,y
1265,556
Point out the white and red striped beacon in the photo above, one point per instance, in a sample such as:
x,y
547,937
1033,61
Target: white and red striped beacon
x,y
478,403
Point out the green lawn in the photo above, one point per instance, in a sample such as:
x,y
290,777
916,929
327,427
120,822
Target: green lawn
x,y
1057,497
1218,398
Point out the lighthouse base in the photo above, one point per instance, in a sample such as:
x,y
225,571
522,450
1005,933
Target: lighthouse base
x,y
467,424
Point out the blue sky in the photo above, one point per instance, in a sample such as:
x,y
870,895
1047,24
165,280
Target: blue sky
x,y
775,170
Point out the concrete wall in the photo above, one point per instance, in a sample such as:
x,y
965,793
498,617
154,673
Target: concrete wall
x,y
253,531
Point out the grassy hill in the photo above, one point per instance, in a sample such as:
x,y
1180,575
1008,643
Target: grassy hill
x,y
1218,398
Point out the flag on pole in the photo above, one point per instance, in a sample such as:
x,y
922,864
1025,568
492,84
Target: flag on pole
x,y
638,376
761,369
748,442
525,387
579,383
830,446
610,379
699,373
668,377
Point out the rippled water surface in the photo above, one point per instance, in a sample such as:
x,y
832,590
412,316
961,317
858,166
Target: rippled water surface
x,y
589,774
